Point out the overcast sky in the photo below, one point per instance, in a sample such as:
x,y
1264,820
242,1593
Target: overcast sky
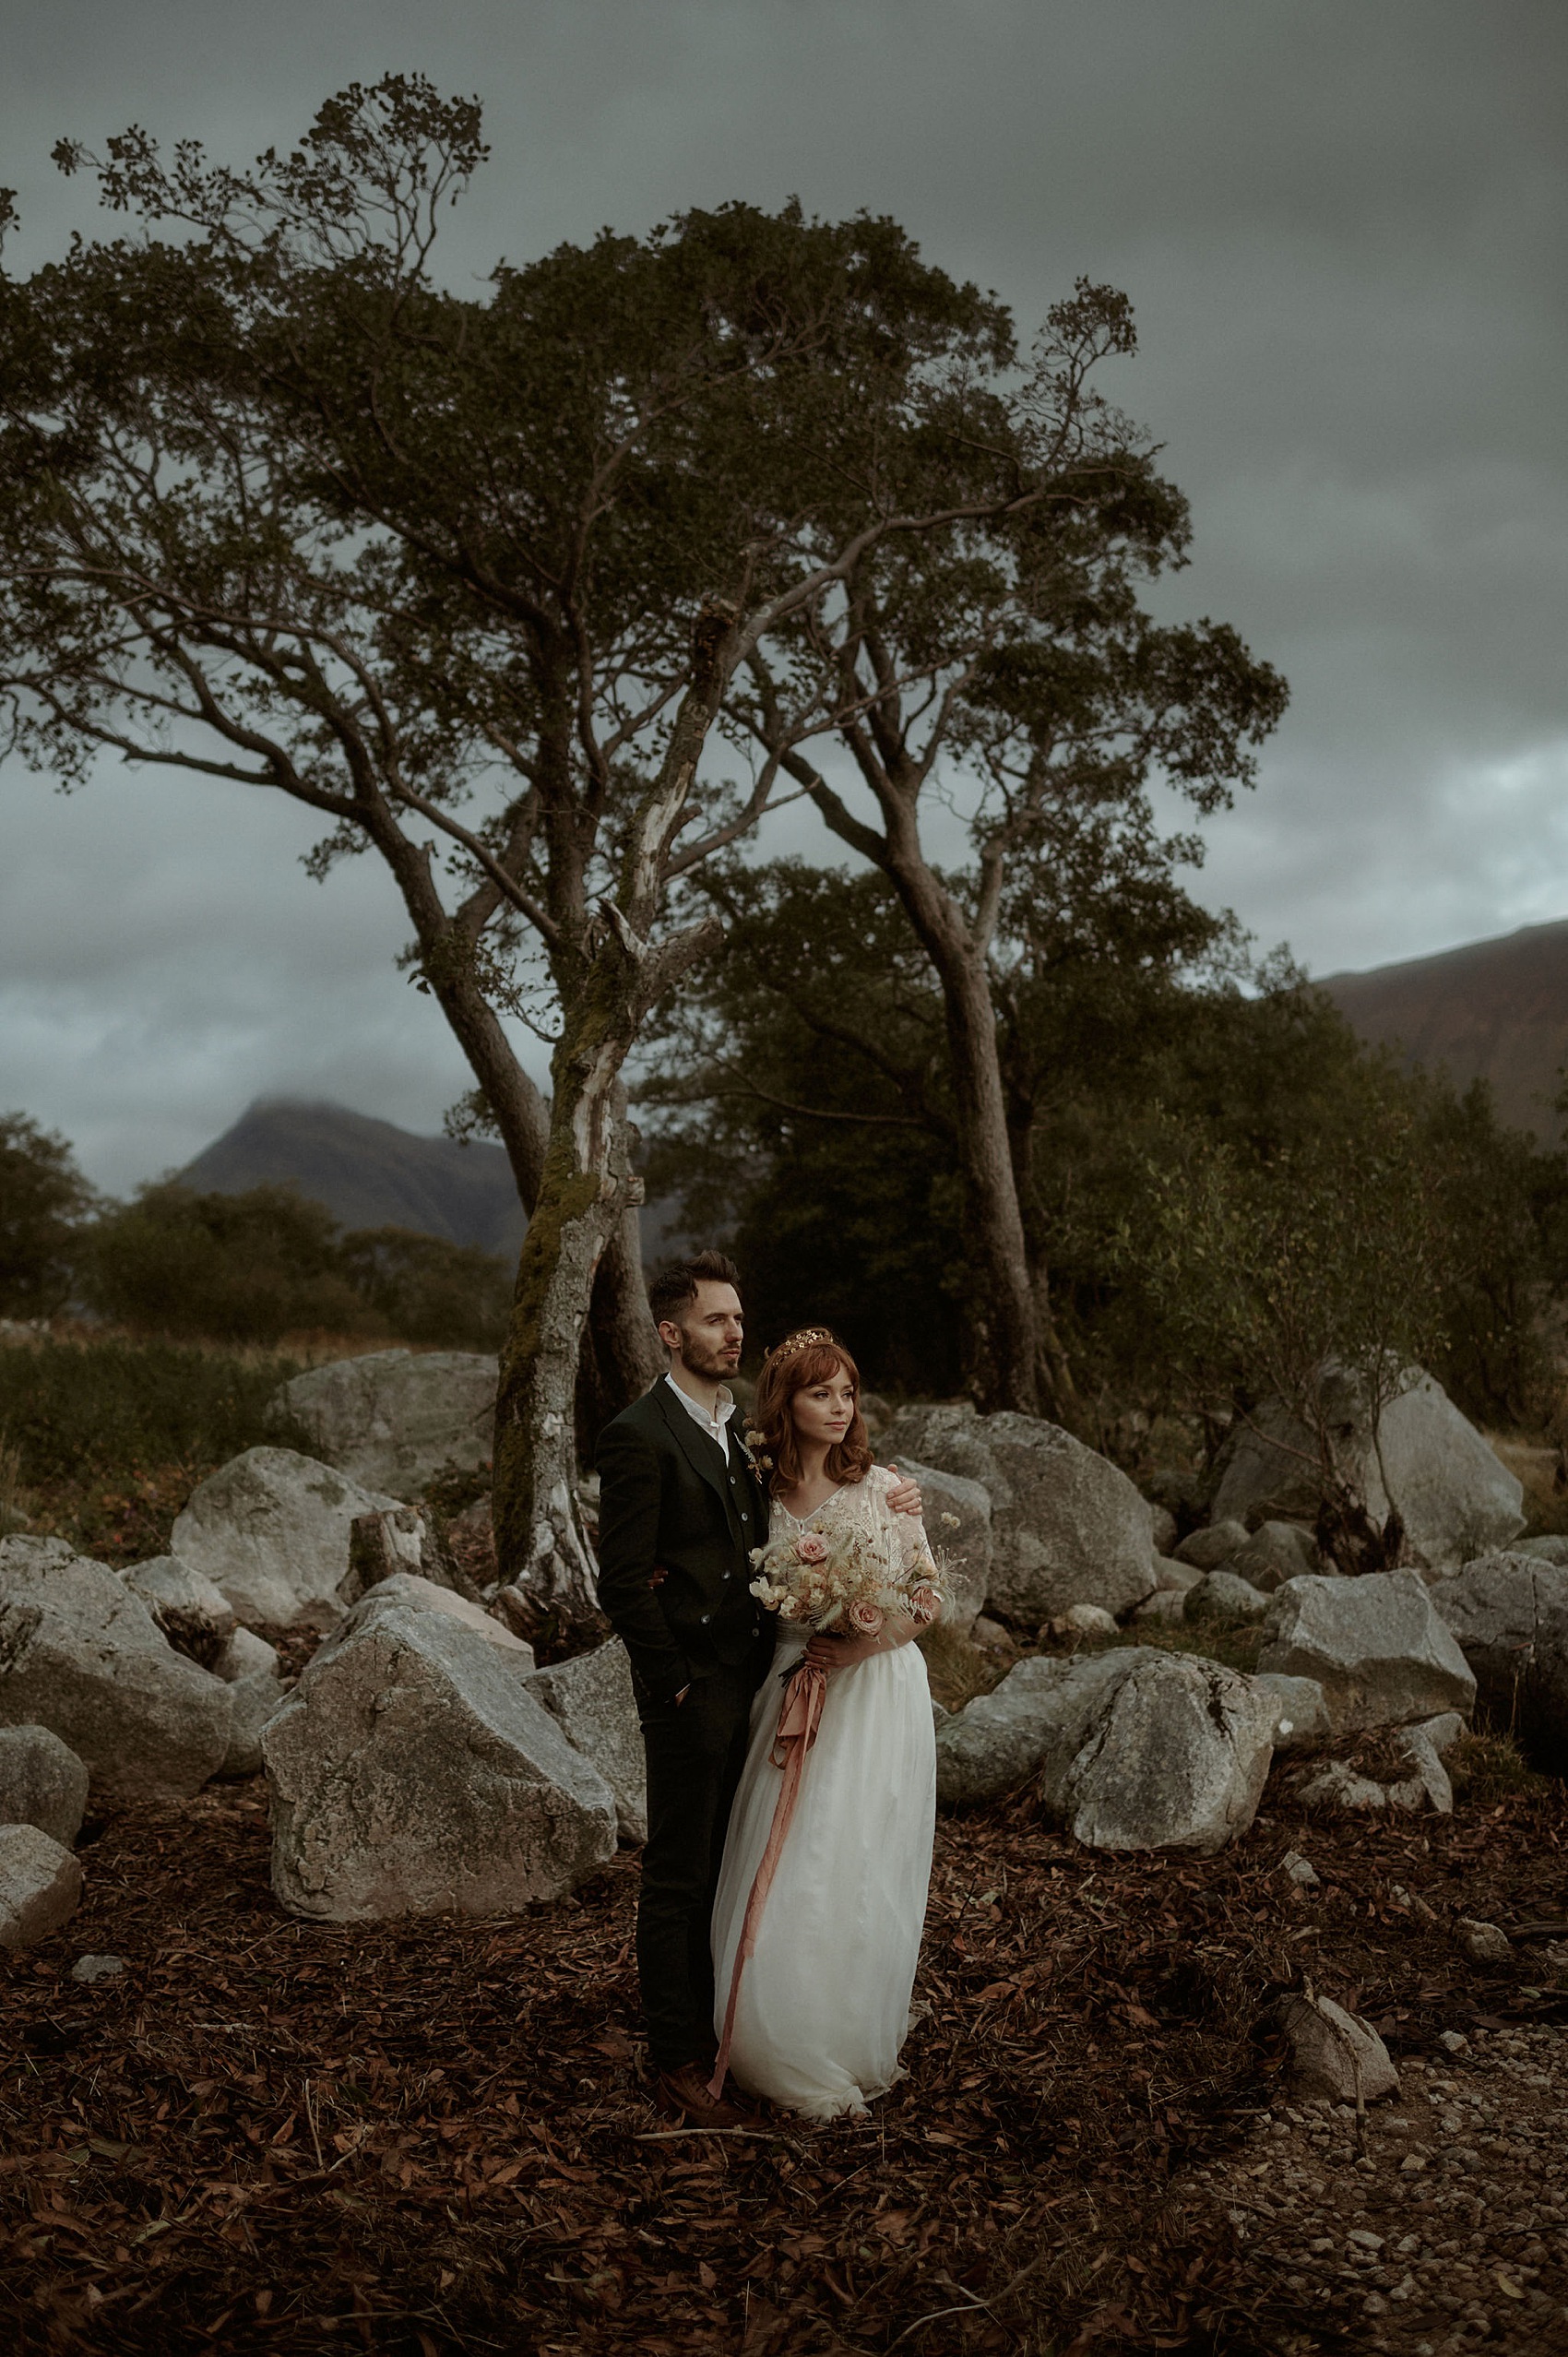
x,y
1342,228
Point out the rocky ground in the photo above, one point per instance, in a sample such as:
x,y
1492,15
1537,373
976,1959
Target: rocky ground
x,y
264,2133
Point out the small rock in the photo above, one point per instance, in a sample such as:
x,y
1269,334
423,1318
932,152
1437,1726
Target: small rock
x,y
1301,1870
1219,1543
98,1967
1337,1786
1484,1943
1164,1608
990,1635
1454,2041
41,1884
1225,1596
1335,2052
246,1656
1086,1620
1442,1733
1428,1786
1277,1552
41,1782
1363,2237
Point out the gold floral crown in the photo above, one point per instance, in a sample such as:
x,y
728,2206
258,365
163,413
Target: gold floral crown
x,y
806,1338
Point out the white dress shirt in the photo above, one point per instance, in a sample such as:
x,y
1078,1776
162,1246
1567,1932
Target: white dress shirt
x,y
716,1425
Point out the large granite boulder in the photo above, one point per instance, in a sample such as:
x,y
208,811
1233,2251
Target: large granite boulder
x,y
1456,1498
412,1774
270,1529
406,1589
195,1615
41,1884
591,1701
1299,1710
394,1418
957,1513
1067,1526
1137,1749
1177,1759
1376,1645
1509,1614
81,1655
1037,1719
41,1782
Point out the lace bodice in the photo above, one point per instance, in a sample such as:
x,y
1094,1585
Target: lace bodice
x,y
901,1535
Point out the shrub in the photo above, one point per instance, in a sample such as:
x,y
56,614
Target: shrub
x,y
42,1198
237,1267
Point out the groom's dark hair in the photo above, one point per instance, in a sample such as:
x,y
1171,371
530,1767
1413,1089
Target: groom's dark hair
x,y
675,1287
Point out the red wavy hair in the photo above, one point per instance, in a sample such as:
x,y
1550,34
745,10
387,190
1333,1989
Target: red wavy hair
x,y
849,1460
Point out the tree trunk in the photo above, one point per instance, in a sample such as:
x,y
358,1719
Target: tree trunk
x,y
588,1189
1005,1346
620,1353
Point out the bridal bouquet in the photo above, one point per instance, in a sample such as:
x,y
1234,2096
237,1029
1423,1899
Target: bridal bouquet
x,y
841,1580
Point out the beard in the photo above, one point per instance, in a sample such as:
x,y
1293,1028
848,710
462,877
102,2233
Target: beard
x,y
701,1357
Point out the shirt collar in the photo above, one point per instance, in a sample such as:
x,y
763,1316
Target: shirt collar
x,y
723,1409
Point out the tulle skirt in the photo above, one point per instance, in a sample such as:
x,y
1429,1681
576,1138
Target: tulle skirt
x,y
824,2007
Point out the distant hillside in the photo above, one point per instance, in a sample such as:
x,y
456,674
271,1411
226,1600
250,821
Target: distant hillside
x,y
1493,1010
369,1173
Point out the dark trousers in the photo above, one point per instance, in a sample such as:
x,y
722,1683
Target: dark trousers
x,y
696,1752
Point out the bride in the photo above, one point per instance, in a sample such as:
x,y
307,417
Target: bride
x,y
823,2003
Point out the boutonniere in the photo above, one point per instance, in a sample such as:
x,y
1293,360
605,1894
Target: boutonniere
x,y
751,1449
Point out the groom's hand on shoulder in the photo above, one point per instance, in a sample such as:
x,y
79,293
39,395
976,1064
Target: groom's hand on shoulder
x,y
905,1497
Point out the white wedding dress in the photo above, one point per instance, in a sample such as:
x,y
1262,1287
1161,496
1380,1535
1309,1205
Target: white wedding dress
x,y
824,2006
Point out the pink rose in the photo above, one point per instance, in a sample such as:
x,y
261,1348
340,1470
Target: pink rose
x,y
865,1618
925,1602
810,1548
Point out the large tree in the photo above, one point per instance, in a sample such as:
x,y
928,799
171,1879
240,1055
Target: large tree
x,y
475,577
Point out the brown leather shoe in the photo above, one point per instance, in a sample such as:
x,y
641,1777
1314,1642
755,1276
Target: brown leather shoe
x,y
683,2095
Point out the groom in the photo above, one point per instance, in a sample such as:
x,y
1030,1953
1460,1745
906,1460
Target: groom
x,y
681,1507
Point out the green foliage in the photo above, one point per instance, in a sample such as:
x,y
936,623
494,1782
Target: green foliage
x,y
253,1267
102,1441
1227,1188
43,1199
844,1213
244,1268
98,1408
427,1289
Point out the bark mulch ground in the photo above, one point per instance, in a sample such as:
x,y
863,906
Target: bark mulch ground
x,y
431,2136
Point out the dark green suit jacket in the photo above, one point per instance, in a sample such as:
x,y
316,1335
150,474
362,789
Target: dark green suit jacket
x,y
676,1526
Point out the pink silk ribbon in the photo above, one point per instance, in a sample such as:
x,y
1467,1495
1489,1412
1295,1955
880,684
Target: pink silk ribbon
x,y
803,1699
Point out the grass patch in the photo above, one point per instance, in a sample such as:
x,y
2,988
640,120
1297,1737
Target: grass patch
x,y
1492,1768
101,1442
